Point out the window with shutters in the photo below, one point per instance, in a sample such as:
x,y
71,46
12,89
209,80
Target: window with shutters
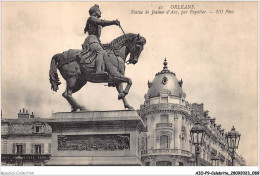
x,y
37,149
19,148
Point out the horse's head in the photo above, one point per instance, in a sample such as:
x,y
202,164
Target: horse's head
x,y
136,46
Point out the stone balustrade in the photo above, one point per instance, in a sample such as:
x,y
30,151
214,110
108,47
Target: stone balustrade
x,y
166,151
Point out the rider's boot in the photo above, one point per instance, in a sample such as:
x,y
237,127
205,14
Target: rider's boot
x,y
99,63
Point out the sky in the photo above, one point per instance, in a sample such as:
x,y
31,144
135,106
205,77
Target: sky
x,y
215,54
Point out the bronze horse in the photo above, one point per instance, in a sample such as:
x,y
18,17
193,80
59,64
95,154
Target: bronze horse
x,y
77,72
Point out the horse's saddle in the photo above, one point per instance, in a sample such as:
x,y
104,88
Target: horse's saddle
x,y
86,57
83,57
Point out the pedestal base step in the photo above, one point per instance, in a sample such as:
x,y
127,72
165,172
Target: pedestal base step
x,y
94,161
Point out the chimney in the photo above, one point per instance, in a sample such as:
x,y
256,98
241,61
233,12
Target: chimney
x,y
32,116
23,115
201,109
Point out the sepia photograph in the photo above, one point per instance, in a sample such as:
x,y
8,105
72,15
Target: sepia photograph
x,y
108,84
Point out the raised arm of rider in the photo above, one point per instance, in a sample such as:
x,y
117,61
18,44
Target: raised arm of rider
x,y
103,23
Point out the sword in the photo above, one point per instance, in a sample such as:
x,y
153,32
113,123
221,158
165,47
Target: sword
x,y
121,29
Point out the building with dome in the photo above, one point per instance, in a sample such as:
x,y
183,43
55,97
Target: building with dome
x,y
168,118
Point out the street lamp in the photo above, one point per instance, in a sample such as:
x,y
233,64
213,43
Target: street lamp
x,y
197,134
232,139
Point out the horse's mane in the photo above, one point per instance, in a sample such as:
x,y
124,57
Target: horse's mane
x,y
118,40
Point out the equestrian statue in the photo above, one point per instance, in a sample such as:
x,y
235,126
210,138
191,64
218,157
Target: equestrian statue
x,y
96,62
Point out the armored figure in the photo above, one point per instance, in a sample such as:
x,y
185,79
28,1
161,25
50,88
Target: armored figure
x,y
76,66
92,42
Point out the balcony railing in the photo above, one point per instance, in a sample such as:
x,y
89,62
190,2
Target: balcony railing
x,y
164,125
166,151
25,157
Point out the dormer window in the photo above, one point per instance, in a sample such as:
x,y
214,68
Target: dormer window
x,y
38,127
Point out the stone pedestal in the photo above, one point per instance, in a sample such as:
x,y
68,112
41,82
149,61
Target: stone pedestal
x,y
96,138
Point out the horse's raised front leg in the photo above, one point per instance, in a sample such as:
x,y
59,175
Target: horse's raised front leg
x,y
72,87
121,78
119,88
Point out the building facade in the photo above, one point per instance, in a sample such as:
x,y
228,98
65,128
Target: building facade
x,y
168,118
25,141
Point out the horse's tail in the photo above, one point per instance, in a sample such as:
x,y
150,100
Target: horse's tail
x,y
54,79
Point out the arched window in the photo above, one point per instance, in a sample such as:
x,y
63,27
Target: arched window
x,y
164,142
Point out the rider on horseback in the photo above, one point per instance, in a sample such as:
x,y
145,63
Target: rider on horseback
x,y
92,42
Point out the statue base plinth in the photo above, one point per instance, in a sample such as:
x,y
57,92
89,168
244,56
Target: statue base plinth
x,y
96,138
